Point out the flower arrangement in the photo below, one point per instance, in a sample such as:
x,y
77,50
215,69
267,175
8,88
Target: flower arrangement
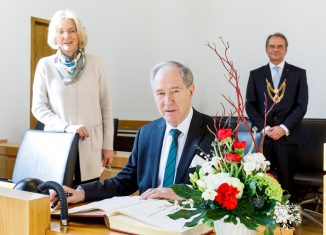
x,y
232,185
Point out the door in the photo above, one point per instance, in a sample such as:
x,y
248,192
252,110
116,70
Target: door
x,y
39,49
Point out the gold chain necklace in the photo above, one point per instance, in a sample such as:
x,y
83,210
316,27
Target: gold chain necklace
x,y
278,92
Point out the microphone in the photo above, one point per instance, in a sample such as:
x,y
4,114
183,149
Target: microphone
x,y
38,186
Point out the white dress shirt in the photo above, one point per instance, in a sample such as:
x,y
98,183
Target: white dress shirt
x,y
184,128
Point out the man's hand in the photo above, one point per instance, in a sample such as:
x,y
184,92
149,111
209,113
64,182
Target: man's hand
x,y
77,195
160,193
275,132
107,157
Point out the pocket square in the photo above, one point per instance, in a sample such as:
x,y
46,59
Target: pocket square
x,y
197,160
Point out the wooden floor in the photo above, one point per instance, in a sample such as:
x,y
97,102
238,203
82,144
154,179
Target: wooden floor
x,y
308,228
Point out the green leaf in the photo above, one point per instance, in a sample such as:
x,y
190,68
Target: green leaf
x,y
186,214
269,206
183,190
196,220
216,214
252,187
285,198
239,151
263,219
249,223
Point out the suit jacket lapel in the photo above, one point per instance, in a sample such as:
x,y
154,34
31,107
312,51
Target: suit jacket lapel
x,y
156,143
285,72
268,74
195,134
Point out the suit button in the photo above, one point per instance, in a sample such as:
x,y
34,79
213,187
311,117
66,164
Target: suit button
x,y
275,118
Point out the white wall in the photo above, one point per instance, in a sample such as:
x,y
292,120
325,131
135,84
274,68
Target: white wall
x,y
132,36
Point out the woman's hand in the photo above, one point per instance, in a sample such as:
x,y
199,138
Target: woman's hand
x,y
107,157
80,129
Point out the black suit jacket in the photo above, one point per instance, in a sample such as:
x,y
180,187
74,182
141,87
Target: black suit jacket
x,y
289,111
141,171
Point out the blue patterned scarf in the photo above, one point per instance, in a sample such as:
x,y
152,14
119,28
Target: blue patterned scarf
x,y
69,70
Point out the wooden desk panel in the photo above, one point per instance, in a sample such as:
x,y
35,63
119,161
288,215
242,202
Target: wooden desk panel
x,y
83,226
80,226
8,153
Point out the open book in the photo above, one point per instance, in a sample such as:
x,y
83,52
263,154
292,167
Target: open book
x,y
134,216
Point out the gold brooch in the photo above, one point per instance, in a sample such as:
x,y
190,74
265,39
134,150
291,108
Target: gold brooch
x,y
276,94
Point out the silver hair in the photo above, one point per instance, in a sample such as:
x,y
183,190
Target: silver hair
x,y
185,72
61,15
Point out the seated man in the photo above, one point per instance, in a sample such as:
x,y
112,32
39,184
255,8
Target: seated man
x,y
163,149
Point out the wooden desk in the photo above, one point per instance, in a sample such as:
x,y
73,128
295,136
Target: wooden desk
x,y
80,226
83,226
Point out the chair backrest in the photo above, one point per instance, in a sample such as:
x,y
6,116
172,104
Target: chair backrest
x,y
48,156
115,132
311,153
244,135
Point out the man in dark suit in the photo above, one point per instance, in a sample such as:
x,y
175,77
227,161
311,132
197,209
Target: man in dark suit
x,y
146,171
285,87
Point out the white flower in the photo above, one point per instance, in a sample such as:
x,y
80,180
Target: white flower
x,y
287,215
255,161
201,185
216,161
206,168
249,166
209,194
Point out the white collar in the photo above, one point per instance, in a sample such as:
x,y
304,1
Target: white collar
x,y
280,65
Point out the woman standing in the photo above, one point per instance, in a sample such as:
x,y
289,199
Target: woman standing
x,y
71,94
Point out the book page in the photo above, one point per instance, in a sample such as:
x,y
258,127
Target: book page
x,y
108,205
154,213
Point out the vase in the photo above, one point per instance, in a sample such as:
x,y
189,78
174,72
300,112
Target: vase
x,y
222,228
277,231
283,231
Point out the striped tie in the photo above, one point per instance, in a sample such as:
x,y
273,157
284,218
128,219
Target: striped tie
x,y
277,77
170,163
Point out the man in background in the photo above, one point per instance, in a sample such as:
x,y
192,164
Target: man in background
x,y
285,87
164,151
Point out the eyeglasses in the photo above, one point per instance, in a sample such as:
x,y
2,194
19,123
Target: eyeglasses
x,y
71,31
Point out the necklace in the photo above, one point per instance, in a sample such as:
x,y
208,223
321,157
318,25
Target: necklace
x,y
276,94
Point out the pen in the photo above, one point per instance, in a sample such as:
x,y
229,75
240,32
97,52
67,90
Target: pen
x,y
56,202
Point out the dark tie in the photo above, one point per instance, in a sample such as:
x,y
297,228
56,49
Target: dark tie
x,y
170,163
277,77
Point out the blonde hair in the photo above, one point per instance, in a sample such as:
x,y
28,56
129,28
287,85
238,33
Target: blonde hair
x,y
61,15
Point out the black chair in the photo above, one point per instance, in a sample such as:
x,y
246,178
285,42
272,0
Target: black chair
x,y
244,135
309,172
48,156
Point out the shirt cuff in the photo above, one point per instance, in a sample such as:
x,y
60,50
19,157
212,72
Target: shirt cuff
x,y
265,129
287,132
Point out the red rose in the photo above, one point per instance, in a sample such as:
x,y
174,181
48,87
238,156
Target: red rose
x,y
224,133
226,196
233,157
239,144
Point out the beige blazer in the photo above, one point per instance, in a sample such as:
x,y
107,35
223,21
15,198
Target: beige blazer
x,y
85,102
